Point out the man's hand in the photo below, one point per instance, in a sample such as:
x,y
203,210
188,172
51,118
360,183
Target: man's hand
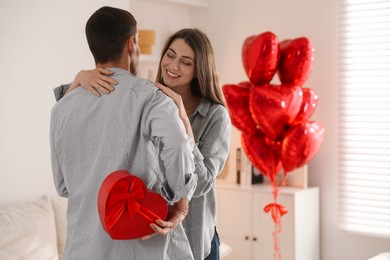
x,y
176,214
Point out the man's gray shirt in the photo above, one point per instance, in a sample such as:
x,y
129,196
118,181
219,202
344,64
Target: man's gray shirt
x,y
136,128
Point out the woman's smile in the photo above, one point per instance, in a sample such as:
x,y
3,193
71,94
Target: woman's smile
x,y
172,75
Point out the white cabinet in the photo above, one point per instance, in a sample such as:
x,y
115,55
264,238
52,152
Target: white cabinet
x,y
248,230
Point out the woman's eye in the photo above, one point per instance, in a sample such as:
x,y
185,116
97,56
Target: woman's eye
x,y
170,55
187,63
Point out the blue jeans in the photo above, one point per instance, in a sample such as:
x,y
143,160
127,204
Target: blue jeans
x,y
214,253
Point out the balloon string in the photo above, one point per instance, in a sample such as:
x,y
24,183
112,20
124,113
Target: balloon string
x,y
277,231
284,179
275,192
276,182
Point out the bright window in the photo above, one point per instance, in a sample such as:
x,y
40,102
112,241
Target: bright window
x,y
364,117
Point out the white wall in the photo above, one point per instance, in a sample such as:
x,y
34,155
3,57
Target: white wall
x,y
43,45
228,23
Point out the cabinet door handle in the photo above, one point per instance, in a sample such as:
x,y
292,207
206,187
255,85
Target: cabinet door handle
x,y
246,237
255,239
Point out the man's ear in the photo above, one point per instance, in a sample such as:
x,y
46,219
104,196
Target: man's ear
x,y
130,43
134,39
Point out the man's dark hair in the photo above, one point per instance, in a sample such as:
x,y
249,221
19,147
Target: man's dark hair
x,y
107,31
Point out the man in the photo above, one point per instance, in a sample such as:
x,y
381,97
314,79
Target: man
x,y
136,128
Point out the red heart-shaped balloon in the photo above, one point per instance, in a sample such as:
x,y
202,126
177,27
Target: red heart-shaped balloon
x,y
263,154
309,104
274,107
300,143
296,61
126,207
260,57
237,100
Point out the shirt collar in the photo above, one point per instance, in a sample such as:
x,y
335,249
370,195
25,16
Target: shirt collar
x,y
202,108
120,71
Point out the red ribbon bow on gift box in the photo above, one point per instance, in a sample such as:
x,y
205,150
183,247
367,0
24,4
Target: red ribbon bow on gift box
x,y
129,196
126,207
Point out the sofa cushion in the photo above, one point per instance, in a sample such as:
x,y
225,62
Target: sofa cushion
x,y
28,231
60,205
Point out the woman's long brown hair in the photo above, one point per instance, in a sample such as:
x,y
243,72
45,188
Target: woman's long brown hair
x,y
205,83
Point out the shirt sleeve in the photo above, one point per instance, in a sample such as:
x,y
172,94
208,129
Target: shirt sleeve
x,y
59,92
162,123
58,177
212,150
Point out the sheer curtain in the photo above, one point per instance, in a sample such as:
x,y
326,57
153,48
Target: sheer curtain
x,y
364,117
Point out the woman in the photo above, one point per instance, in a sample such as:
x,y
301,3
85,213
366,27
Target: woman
x,y
187,74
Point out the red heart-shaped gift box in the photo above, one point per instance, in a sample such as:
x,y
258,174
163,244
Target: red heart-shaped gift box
x,y
126,207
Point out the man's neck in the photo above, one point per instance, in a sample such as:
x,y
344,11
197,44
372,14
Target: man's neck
x,y
121,64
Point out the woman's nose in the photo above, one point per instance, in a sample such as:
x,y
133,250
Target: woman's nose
x,y
174,64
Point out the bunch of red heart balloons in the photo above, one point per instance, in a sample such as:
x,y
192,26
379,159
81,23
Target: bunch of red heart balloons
x,y
274,120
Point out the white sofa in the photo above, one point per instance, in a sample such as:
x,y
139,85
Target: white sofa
x,y
381,256
34,230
